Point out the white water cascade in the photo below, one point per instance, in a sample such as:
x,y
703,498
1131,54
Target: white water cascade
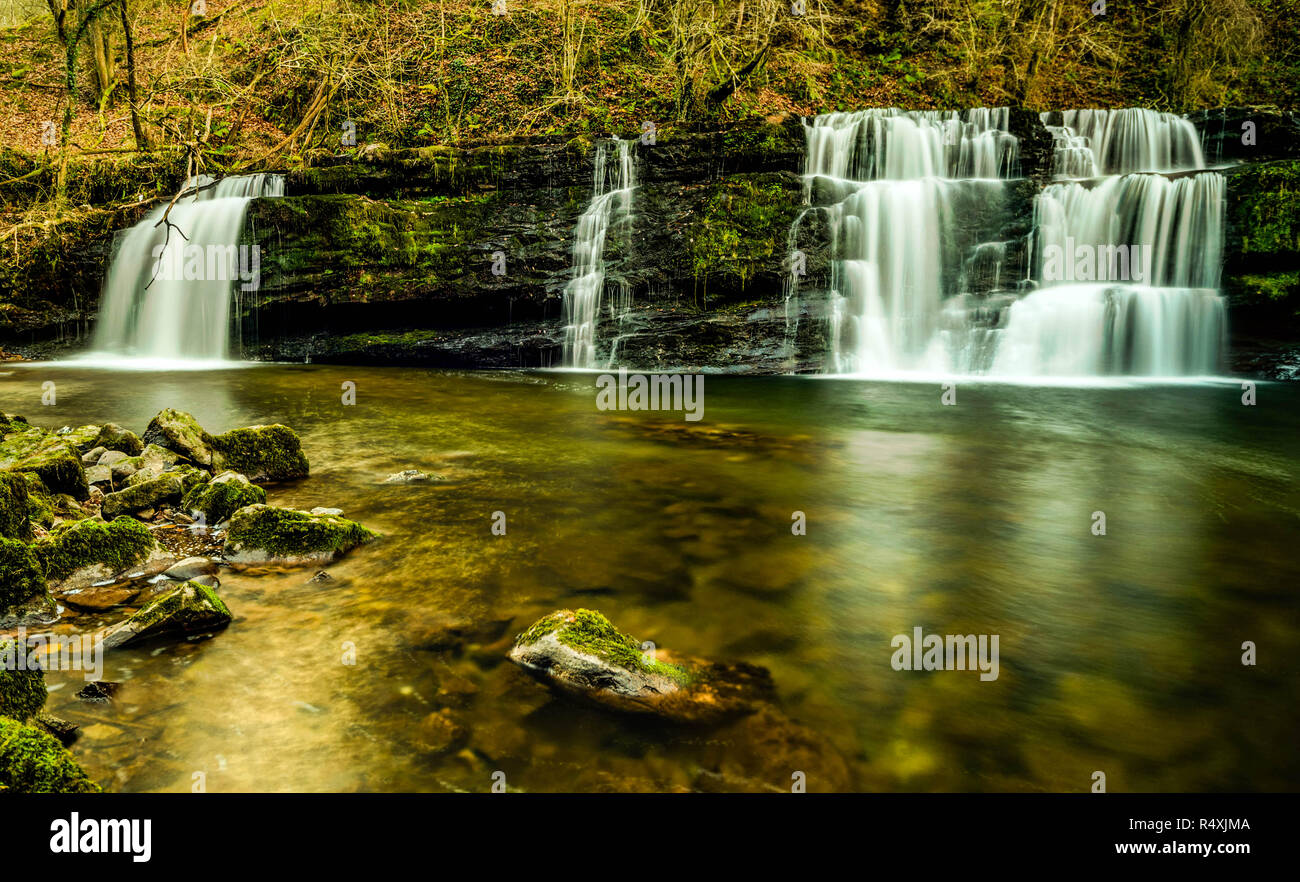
x,y
1118,277
890,183
585,295
169,289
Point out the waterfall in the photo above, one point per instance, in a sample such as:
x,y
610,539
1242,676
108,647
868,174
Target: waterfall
x,y
1119,275
891,183
1132,139
611,205
168,291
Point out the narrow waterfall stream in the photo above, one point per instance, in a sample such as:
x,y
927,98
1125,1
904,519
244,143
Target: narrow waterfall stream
x,y
168,293
584,296
1118,277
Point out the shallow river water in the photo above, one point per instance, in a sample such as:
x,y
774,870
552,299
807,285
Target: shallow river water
x,y
1119,653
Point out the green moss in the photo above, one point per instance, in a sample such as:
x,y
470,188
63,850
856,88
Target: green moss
x,y
14,506
218,499
33,762
40,507
741,232
57,463
114,437
181,433
587,631
118,545
286,531
22,692
20,573
192,606
1265,208
263,453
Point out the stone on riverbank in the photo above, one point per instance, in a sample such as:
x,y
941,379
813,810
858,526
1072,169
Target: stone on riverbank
x,y
140,493
114,437
81,553
264,534
582,654
191,608
54,461
34,762
22,692
263,453
221,497
14,521
21,575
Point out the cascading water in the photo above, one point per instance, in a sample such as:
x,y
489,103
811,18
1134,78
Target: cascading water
x,y
611,205
169,288
891,182
1119,275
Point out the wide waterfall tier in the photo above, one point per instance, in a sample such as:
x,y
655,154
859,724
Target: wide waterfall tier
x,y
888,143
1090,143
169,289
585,296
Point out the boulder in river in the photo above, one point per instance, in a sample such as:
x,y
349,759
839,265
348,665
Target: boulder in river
x,y
22,691
263,453
79,553
265,534
191,608
191,568
581,654
221,497
180,432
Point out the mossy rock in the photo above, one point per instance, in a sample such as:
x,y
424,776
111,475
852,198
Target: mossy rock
x,y
180,432
191,608
21,574
581,654
263,533
105,549
82,438
263,453
221,497
40,507
33,762
14,507
169,488
22,692
113,437
57,463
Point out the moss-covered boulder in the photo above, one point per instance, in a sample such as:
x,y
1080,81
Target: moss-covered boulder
x,y
113,437
263,453
21,575
33,762
54,461
40,505
22,690
82,438
189,609
83,552
581,654
143,492
180,432
14,512
221,497
263,534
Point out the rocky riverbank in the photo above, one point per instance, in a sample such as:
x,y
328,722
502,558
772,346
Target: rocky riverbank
x,y
120,538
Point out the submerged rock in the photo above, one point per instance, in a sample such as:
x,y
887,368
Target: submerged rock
x,y
582,654
221,497
181,433
78,554
191,608
440,732
22,692
262,533
410,476
64,730
34,762
263,453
